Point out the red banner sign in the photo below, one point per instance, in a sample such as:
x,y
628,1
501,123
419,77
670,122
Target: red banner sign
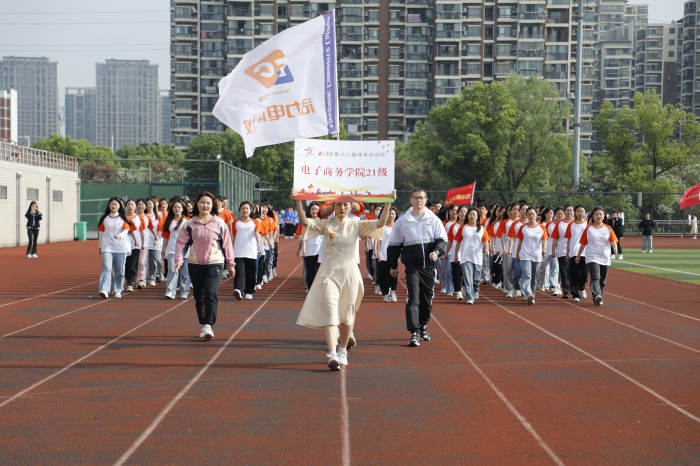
x,y
463,195
691,197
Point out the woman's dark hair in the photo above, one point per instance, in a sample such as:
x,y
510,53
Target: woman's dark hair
x,y
557,209
579,207
308,208
29,209
171,215
195,208
596,209
121,212
494,213
244,203
544,212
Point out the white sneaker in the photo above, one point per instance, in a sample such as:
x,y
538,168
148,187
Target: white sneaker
x,y
598,300
450,294
443,291
369,276
386,298
530,300
152,283
644,251
224,274
104,294
377,290
650,251
476,295
470,301
509,294
343,357
394,299
118,295
140,285
517,294
333,362
130,289
556,291
237,294
274,272
207,332
265,279
184,296
621,257
583,294
459,296
258,287
576,300
34,256
167,296
29,256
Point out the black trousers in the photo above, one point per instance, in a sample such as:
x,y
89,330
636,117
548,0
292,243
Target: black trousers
x,y
310,269
369,263
420,282
131,267
599,275
385,281
205,283
246,275
456,276
33,236
578,276
496,269
619,248
564,275
274,257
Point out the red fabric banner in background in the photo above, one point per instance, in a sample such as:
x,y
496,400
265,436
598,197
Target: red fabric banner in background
x,y
691,197
463,195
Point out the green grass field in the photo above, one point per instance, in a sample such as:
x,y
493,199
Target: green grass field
x,y
675,264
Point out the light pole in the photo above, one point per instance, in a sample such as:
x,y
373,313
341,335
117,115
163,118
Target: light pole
x,y
577,98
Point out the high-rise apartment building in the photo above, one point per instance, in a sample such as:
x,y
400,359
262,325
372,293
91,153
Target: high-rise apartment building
x,y
690,73
81,113
127,103
36,83
165,111
658,61
8,116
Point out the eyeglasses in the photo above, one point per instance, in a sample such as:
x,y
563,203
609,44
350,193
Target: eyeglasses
x,y
418,198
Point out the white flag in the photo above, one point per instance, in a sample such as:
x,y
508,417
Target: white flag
x,y
285,88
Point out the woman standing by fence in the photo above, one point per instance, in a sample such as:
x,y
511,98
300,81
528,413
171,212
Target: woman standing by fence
x,y
33,217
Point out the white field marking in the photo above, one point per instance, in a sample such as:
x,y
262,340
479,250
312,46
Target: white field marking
x,y
345,416
603,363
159,418
523,421
659,268
655,307
83,358
46,294
630,326
52,318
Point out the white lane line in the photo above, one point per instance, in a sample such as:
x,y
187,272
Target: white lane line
x,y
159,418
46,294
83,358
657,268
654,307
523,421
345,416
603,363
632,327
52,318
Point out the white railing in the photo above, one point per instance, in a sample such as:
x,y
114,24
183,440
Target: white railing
x,y
37,157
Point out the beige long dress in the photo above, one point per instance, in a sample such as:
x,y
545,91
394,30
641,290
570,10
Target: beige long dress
x,y
337,291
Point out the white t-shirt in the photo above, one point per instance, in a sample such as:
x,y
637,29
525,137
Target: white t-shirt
x,y
531,239
245,245
559,234
150,232
385,242
573,233
174,234
470,244
135,243
550,241
110,227
597,241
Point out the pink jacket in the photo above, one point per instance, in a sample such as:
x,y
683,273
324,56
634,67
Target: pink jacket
x,y
208,243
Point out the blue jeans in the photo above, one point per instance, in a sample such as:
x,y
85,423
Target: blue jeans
x,y
552,280
517,273
172,278
530,270
112,262
471,275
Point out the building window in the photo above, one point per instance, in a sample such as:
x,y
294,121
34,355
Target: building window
x,y
32,194
57,196
3,192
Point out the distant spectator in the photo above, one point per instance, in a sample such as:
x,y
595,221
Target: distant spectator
x,y
647,226
618,226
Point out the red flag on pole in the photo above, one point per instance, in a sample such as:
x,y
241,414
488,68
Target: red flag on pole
x,y
691,197
463,195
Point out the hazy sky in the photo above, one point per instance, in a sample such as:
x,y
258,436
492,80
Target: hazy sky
x,y
80,33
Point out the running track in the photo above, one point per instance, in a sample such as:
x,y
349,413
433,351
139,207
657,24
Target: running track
x,y
91,381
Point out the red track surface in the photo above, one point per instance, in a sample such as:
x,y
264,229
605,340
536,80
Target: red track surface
x,y
91,381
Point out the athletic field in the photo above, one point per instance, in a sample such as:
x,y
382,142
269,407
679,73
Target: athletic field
x,y
96,381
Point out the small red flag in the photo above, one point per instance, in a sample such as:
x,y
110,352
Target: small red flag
x,y
691,197
463,195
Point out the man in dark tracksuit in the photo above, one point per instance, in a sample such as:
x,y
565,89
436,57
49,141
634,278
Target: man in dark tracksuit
x,y
618,227
419,238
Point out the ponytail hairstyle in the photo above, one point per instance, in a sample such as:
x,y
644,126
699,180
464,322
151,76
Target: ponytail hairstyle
x,y
171,215
544,212
120,212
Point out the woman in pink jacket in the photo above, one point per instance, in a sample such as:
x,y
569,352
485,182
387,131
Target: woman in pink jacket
x,y
208,240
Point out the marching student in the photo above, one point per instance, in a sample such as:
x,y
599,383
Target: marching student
x,y
33,216
154,228
143,253
532,246
172,227
545,217
247,245
111,234
512,211
335,296
309,248
560,251
578,272
496,256
419,238
472,243
451,250
208,240
597,240
386,282
162,212
444,265
551,281
131,268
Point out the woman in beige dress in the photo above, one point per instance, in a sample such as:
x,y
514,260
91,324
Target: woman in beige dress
x,y
337,291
